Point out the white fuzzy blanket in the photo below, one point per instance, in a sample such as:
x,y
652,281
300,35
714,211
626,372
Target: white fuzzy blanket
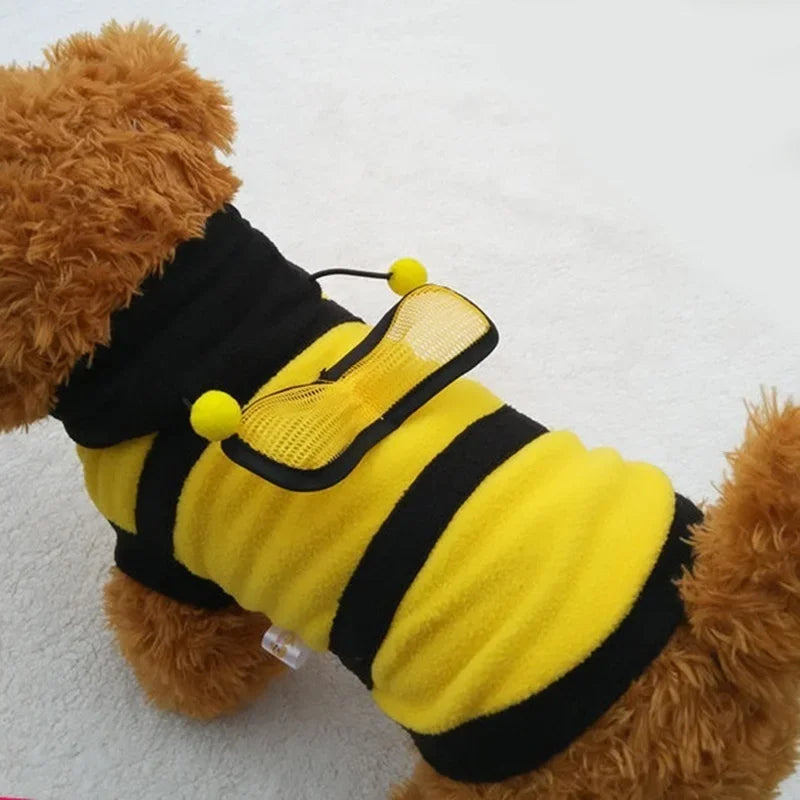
x,y
616,184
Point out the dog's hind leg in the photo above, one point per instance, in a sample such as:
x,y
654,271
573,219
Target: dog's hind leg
x,y
195,661
743,596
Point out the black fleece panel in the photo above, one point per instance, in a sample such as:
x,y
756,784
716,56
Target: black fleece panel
x,y
165,575
228,312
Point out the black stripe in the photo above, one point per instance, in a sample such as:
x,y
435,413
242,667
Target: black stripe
x,y
165,575
523,737
165,470
398,550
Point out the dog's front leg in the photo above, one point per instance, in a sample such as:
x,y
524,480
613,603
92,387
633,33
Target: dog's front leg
x,y
198,662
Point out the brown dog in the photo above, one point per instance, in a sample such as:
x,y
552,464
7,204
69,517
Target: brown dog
x,y
108,165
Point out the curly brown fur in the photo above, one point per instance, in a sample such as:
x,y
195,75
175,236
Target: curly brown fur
x,y
744,595
716,717
200,663
107,162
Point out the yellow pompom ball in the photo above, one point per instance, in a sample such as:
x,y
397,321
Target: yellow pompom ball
x,y
215,415
406,275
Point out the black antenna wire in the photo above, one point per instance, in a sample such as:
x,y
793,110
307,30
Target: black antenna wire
x,y
358,273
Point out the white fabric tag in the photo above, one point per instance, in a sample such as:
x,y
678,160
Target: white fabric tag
x,y
286,646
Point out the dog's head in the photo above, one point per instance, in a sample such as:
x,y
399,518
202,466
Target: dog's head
x,y
107,162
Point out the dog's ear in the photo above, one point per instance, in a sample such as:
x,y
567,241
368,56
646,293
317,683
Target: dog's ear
x,y
108,160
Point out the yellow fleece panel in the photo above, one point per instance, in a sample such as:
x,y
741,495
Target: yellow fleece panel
x,y
534,572
290,554
112,478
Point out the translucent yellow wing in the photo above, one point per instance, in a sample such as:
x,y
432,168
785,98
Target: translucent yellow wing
x,y
310,437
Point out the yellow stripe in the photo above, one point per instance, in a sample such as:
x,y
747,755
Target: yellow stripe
x,y
534,572
290,554
112,478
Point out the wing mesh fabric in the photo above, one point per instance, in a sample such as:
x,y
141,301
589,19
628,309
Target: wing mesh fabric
x,y
307,427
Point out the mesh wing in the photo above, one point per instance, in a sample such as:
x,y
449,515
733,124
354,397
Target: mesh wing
x,y
430,337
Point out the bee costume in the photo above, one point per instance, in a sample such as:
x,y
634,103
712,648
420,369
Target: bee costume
x,y
496,586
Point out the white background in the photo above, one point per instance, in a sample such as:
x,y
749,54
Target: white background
x,y
617,184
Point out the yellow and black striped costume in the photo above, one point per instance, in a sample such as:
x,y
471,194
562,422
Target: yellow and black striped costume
x,y
495,585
